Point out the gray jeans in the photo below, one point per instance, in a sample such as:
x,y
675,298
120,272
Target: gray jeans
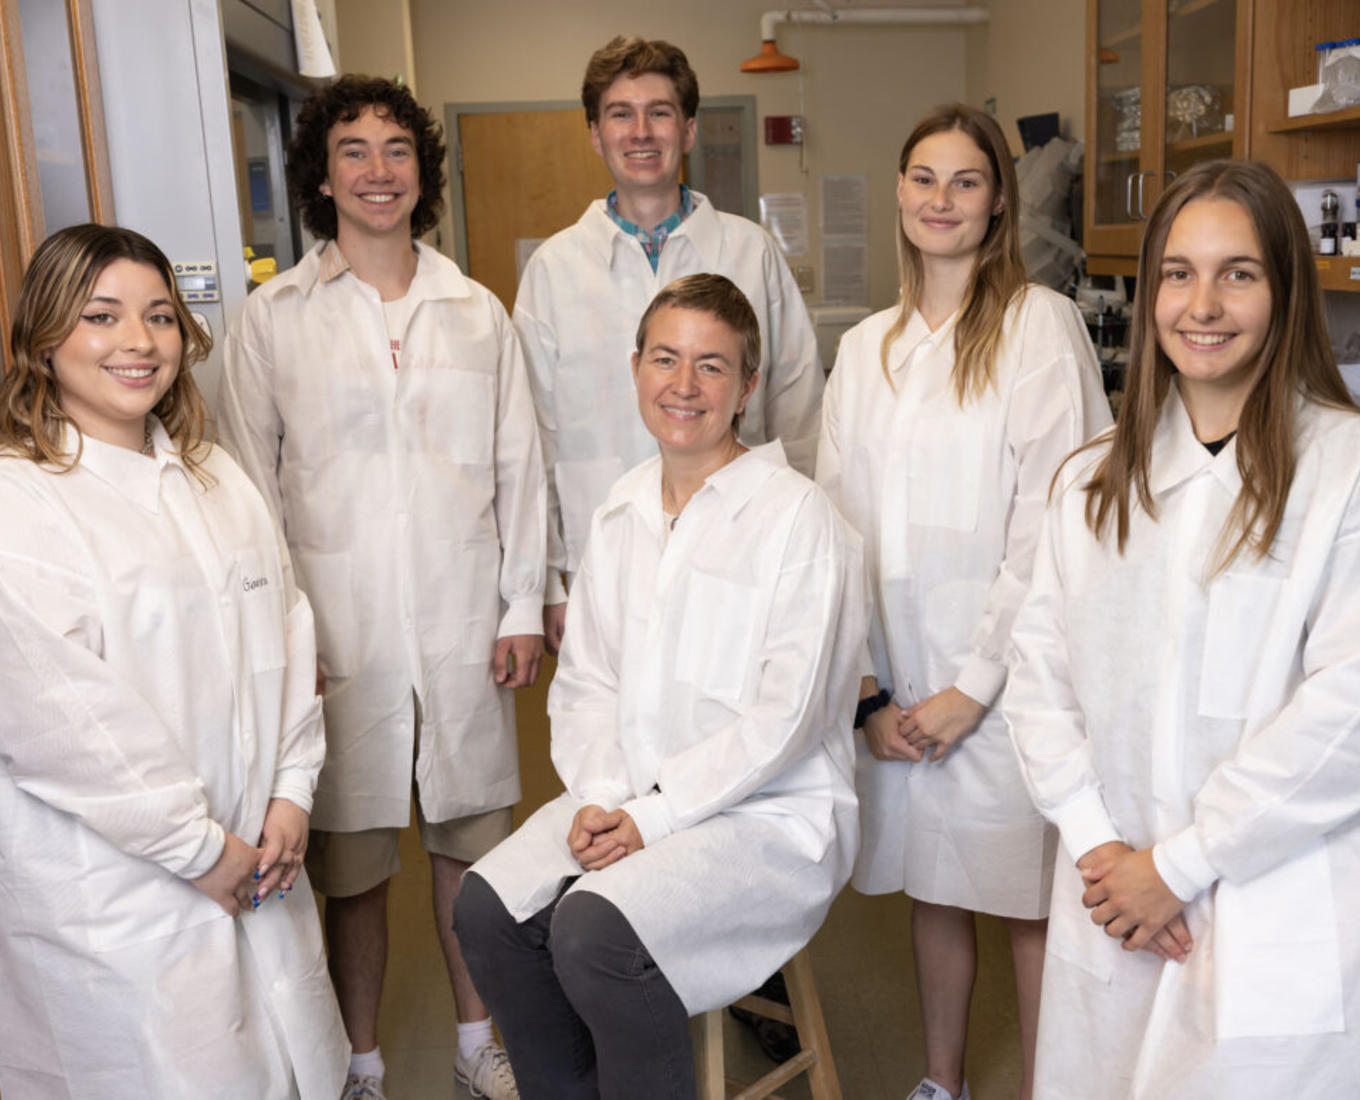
x,y
584,1009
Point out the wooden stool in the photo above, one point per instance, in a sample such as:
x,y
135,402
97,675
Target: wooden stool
x,y
804,1012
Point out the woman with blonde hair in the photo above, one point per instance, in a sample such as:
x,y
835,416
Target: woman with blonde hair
x,y
943,423
160,735
1185,685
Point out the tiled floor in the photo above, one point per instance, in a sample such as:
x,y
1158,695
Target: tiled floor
x,y
864,975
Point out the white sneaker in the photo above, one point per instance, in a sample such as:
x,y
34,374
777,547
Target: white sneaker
x,y
487,1073
929,1090
362,1088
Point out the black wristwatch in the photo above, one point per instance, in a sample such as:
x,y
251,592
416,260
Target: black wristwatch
x,y
868,705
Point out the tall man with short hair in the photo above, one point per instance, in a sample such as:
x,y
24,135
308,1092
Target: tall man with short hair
x,y
379,400
584,290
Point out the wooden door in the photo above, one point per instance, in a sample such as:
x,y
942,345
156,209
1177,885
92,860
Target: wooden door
x,y
525,175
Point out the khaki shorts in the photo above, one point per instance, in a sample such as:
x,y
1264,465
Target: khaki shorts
x,y
342,865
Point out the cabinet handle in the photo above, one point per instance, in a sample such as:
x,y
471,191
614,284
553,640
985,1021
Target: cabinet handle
x,y
1142,176
1128,196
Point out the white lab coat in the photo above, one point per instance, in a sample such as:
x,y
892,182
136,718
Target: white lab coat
x,y
156,688
1219,720
580,299
413,502
949,501
706,686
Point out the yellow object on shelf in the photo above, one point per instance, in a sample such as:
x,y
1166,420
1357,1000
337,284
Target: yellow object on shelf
x,y
263,269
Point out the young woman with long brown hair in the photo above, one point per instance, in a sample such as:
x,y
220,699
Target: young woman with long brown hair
x,y
944,421
160,735
1185,687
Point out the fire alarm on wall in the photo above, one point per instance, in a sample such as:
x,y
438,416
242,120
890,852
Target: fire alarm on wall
x,y
783,129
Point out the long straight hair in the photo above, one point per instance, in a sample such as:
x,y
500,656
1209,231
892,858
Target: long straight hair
x,y
1295,361
998,273
57,285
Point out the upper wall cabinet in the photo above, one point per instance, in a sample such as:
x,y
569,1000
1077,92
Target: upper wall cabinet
x,y
1171,82
1166,83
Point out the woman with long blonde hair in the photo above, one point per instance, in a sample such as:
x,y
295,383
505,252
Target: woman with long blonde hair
x,y
160,734
1185,685
943,423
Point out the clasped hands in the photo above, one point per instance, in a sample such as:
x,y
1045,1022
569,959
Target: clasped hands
x,y
1127,896
599,837
927,730
246,875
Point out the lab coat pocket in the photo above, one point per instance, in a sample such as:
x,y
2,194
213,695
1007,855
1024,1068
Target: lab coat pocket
x,y
945,476
455,413
1241,607
1277,956
259,582
326,578
717,636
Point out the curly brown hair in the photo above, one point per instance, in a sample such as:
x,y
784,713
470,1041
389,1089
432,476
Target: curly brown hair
x,y
636,57
344,101
57,286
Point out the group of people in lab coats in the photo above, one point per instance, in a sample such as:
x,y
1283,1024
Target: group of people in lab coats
x,y
940,627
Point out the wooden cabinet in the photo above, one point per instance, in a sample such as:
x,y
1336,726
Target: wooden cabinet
x,y
1209,78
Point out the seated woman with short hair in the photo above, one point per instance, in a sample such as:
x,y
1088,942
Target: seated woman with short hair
x,y
701,718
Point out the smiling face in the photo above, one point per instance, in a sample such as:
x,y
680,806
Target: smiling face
x,y
689,383
122,356
642,133
947,195
373,175
1213,306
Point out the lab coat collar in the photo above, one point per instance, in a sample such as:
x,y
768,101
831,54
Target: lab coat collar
x,y
135,476
436,276
917,333
1177,455
702,228
735,484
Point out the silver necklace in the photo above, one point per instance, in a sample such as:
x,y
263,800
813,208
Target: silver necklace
x,y
148,447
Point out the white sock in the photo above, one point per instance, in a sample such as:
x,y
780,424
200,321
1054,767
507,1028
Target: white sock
x,y
367,1064
473,1035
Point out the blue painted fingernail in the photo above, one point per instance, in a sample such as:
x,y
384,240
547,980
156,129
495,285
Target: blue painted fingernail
x,y
255,898
257,876
282,894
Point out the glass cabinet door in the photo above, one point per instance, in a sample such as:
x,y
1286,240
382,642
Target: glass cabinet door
x,y
1120,156
1201,82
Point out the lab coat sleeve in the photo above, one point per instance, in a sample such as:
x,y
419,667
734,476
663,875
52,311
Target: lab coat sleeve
x,y
1297,777
793,389
520,500
302,746
1040,706
806,689
1057,404
248,420
73,734
539,343
830,475
583,703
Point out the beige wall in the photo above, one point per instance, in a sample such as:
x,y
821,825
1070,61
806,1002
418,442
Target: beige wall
x,y
1030,58
375,37
859,88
